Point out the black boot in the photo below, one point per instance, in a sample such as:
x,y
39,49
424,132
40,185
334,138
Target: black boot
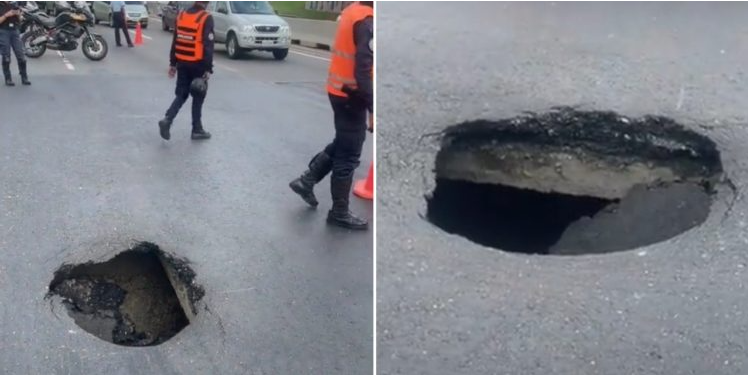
x,y
340,215
164,125
24,75
6,73
319,167
199,133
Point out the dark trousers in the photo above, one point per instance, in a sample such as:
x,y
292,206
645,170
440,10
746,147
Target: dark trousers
x,y
120,25
185,75
350,134
10,39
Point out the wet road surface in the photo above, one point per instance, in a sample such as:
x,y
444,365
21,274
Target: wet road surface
x,y
85,174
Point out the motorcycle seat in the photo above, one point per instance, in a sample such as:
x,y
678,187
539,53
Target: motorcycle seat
x,y
46,20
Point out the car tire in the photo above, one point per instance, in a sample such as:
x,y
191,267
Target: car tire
x,y
144,26
164,26
232,47
280,54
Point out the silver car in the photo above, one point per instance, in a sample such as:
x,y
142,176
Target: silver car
x,y
136,12
250,25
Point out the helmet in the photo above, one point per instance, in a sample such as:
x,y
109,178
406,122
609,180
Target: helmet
x,y
199,87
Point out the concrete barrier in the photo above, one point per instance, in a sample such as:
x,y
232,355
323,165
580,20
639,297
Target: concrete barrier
x,y
312,33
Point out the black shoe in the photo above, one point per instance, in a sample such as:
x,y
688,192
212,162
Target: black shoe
x,y
24,75
305,191
119,45
346,220
340,215
6,74
130,45
200,134
319,167
163,127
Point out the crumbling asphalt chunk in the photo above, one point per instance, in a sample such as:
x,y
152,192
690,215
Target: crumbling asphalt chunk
x,y
656,139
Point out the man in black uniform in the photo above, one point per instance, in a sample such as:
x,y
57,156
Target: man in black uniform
x,y
10,38
191,59
119,20
343,154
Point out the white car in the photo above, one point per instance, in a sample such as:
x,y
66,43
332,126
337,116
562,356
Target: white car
x,y
250,25
136,12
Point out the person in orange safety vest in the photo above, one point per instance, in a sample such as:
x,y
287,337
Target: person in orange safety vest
x,y
350,89
191,60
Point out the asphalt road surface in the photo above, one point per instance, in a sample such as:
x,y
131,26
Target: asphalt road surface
x,y
449,306
85,173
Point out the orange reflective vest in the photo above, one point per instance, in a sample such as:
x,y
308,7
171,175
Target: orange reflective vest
x,y
344,50
189,43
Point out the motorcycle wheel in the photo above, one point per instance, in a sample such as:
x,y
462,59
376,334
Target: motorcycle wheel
x,y
95,50
29,51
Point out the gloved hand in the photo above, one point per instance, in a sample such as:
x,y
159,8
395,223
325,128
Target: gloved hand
x,y
354,96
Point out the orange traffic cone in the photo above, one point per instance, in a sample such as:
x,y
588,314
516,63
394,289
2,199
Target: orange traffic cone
x,y
138,35
365,188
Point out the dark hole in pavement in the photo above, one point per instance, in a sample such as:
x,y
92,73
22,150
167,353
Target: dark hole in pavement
x,y
571,182
141,297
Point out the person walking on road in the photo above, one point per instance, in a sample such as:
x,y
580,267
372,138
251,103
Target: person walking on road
x,y
119,22
10,39
191,59
350,89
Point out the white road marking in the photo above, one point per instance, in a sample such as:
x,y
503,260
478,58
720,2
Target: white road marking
x,y
680,98
155,19
308,55
65,61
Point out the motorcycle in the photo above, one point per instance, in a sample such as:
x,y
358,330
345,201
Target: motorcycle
x,y
30,7
61,33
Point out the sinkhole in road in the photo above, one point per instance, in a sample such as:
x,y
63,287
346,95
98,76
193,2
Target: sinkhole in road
x,y
571,182
143,296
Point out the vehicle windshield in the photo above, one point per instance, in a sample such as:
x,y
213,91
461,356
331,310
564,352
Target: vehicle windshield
x,y
251,7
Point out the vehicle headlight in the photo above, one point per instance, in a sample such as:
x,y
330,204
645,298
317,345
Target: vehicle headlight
x,y
285,29
248,28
